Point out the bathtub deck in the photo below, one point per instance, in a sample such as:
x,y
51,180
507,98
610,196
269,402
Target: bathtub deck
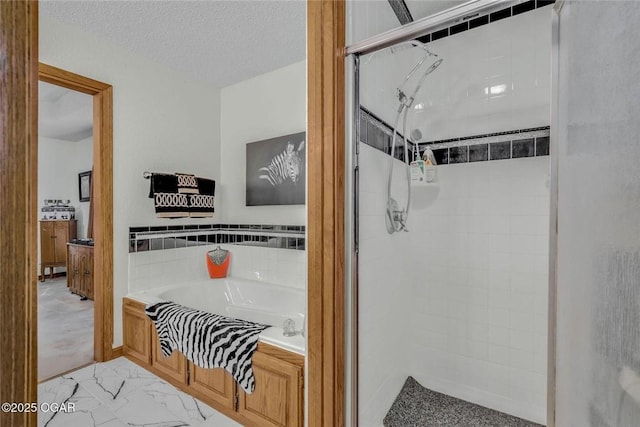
x,y
418,406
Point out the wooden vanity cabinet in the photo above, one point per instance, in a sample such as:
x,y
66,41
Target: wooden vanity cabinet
x,y
80,269
277,400
54,236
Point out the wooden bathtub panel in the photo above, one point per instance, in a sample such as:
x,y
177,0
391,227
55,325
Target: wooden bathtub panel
x,y
216,384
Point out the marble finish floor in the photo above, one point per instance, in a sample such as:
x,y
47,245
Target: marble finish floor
x,y
119,393
65,329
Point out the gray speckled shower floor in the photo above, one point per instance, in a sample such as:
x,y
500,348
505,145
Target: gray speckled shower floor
x,y
417,406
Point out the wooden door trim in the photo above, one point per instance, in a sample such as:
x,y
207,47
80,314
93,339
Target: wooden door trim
x,y
18,207
326,212
102,202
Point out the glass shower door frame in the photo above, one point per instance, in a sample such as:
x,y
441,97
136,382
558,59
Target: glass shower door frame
x,y
390,38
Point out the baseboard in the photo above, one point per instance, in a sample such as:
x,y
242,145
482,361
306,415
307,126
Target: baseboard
x,y
116,352
48,276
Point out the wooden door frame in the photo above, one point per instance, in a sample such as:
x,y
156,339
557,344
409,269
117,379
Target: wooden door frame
x,y
102,200
18,166
18,208
326,212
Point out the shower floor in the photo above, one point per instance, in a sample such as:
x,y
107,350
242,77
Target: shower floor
x,y
418,406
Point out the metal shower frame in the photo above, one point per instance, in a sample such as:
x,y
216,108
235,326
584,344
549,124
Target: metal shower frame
x,y
390,38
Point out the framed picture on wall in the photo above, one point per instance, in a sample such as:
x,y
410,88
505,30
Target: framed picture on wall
x,y
276,171
84,186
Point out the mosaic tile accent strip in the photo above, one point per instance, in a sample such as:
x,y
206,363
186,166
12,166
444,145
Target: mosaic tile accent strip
x,y
502,146
376,133
529,142
475,21
155,238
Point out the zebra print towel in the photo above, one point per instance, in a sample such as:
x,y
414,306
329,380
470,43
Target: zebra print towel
x,y
208,340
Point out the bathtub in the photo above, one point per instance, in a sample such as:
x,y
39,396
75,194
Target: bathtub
x,y
244,299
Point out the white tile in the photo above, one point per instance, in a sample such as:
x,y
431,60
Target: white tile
x,y
499,335
521,340
522,321
498,379
187,408
520,359
499,243
498,354
140,409
499,317
219,420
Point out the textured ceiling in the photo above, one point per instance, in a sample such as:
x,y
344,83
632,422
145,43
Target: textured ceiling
x,y
220,42
63,113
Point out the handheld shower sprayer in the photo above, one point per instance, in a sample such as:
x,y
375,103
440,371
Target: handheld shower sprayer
x,y
396,217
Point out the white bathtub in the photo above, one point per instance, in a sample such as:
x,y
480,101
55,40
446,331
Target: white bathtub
x,y
251,300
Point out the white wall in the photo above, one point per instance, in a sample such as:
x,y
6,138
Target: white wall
x,y
162,122
59,163
493,78
267,106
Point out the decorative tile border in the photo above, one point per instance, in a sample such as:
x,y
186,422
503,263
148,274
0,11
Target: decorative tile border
x,y
376,133
152,238
500,146
475,21
530,142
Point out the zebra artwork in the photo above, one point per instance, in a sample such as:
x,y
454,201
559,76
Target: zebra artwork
x,y
285,165
276,171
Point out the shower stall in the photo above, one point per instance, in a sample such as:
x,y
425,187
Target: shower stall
x,y
450,278
504,289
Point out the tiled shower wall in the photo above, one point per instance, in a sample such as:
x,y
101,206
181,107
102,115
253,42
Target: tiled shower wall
x,y
478,261
493,78
384,292
460,302
155,269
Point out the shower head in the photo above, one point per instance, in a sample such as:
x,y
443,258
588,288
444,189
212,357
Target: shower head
x,y
433,66
416,135
407,101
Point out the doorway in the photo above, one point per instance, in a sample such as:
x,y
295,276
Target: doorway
x,y
65,243
100,221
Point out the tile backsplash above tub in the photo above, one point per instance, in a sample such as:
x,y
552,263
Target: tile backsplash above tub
x,y
155,269
175,254
154,238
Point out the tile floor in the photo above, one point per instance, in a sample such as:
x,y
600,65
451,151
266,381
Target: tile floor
x,y
65,329
119,393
